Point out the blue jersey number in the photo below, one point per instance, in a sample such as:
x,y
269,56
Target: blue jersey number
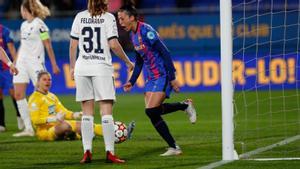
x,y
88,41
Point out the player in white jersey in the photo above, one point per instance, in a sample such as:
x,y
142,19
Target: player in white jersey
x,y
95,32
31,56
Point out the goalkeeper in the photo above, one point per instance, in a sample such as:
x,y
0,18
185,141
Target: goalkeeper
x,y
51,120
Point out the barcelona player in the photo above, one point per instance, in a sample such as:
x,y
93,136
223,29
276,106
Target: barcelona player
x,y
151,52
7,44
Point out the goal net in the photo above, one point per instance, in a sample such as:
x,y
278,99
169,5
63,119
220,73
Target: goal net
x,y
265,75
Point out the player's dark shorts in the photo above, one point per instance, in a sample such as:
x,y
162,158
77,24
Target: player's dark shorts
x,y
5,79
161,84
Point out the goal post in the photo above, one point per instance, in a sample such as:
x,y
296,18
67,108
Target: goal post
x,y
226,79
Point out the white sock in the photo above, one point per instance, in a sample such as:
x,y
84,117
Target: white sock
x,y
24,112
108,133
87,132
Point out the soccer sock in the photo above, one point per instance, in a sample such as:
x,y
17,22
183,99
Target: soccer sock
x,y
172,107
2,113
16,107
87,132
160,125
108,133
23,109
98,130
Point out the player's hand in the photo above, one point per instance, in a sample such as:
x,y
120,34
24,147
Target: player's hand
x,y
13,70
127,87
55,69
175,85
77,115
60,117
130,66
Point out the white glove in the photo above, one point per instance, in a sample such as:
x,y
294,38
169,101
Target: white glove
x,y
57,117
60,116
77,115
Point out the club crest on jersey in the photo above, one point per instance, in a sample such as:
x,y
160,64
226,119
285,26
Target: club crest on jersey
x,y
51,109
150,35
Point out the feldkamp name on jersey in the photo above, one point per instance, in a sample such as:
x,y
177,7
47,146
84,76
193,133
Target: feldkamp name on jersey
x,y
92,20
92,57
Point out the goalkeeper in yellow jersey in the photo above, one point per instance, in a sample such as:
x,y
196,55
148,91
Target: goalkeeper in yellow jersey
x,y
51,120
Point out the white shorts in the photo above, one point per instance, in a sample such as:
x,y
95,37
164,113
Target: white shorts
x,y
28,71
95,88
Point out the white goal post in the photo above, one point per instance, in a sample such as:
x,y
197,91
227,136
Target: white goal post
x,y
226,79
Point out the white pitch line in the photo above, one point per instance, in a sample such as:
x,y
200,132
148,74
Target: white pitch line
x,y
246,155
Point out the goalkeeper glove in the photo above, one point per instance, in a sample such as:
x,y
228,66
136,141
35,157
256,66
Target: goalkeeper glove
x,y
58,117
77,115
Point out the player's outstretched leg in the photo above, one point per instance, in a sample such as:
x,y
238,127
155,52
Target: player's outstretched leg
x,y
130,129
87,157
190,110
111,158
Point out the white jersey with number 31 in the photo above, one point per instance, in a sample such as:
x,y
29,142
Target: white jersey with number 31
x,y
93,34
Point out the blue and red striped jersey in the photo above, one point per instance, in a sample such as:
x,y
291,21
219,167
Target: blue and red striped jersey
x,y
143,40
5,38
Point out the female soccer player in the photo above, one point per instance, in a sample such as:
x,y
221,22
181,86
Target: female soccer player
x,y
31,55
51,120
152,52
95,32
48,114
7,43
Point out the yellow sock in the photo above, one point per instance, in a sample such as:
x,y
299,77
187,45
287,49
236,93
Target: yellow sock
x,y
98,129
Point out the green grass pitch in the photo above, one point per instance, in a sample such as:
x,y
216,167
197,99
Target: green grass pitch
x,y
201,142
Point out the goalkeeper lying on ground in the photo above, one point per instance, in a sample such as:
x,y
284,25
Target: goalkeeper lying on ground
x,y
51,120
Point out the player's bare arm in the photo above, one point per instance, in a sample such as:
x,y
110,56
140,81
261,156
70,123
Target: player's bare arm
x,y
118,50
48,46
72,53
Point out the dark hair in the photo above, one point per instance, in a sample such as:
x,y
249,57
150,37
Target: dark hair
x,y
130,10
97,7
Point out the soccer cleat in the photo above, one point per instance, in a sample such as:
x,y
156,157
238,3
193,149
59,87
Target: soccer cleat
x,y
87,157
2,129
24,133
130,129
191,111
21,125
172,152
110,158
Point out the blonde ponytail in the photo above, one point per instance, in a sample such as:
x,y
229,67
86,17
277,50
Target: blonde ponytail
x,y
36,8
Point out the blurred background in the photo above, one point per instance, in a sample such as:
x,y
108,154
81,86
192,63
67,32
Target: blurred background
x,y
190,29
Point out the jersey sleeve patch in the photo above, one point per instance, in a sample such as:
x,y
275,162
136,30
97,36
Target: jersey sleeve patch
x,y
150,35
43,29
